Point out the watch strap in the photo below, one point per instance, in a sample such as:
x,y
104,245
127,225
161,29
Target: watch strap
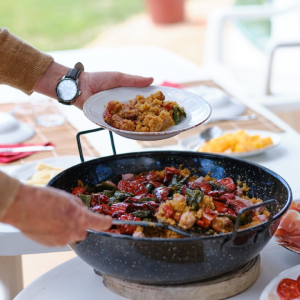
x,y
75,72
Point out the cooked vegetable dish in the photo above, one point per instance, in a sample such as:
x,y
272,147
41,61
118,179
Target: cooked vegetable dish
x,y
151,114
175,197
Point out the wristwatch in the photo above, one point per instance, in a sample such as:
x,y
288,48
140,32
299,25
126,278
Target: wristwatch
x,y
67,89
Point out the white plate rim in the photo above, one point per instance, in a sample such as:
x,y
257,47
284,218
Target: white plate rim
x,y
29,167
274,136
159,134
275,281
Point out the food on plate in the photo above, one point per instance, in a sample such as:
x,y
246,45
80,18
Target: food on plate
x,y
239,141
288,289
173,196
150,114
44,174
288,231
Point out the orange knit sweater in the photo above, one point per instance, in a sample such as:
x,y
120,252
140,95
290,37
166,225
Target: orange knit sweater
x,y
21,67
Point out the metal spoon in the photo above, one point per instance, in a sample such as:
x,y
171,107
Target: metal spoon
x,y
207,134
155,224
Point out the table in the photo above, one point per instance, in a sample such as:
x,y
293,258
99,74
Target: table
x,y
76,280
162,65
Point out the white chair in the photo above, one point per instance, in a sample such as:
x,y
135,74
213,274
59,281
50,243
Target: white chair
x,y
272,82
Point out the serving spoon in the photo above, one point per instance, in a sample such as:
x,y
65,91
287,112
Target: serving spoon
x,y
156,224
207,134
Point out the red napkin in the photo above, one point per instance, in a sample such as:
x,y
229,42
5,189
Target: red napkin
x,y
174,85
7,157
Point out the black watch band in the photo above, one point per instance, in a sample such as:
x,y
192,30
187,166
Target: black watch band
x,y
73,74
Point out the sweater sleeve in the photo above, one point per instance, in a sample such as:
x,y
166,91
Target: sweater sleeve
x,y
8,190
21,65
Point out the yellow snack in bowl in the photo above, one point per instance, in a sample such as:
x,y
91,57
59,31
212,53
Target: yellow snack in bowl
x,y
239,141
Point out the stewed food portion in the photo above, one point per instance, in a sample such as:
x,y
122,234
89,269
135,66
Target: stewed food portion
x,y
176,197
144,114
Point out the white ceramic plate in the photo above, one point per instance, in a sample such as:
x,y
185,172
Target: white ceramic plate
x,y
197,109
190,142
221,104
270,289
26,171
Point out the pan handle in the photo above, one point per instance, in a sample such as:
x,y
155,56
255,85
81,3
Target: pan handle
x,y
89,131
273,203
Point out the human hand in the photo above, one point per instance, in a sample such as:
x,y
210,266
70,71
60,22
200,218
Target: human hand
x,y
89,83
52,217
95,82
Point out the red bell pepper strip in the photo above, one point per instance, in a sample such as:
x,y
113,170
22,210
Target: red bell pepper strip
x,y
207,217
161,193
228,183
168,106
128,229
170,173
107,209
153,176
78,190
227,196
221,207
100,198
122,207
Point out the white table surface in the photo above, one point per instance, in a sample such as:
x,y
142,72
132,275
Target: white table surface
x,y
76,280
74,277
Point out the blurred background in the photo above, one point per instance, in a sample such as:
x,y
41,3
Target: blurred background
x,y
255,43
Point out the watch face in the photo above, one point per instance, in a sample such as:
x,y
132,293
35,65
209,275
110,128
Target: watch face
x,y
67,89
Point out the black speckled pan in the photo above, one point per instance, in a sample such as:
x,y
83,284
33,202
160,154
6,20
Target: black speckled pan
x,y
168,261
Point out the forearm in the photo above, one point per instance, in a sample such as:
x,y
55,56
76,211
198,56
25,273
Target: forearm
x,y
48,81
21,64
9,188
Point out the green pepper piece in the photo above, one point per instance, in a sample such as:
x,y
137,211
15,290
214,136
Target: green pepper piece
x,y
100,187
122,195
149,187
113,200
86,199
90,190
147,199
231,217
175,180
181,111
176,115
142,214
147,219
180,183
246,218
108,193
194,197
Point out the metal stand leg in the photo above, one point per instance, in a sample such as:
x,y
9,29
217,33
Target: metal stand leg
x,y
11,276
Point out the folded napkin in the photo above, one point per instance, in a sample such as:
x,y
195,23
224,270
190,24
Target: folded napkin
x,y
7,157
174,85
